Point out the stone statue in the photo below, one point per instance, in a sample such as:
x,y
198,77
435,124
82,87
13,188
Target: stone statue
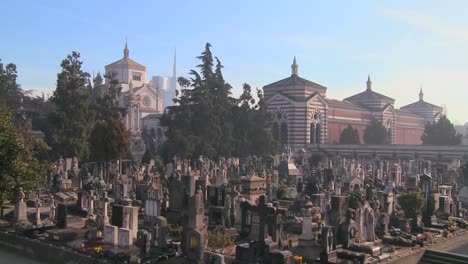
x,y
52,210
20,195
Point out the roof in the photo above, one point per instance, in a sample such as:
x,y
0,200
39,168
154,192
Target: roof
x,y
402,112
369,94
128,63
296,80
421,104
343,104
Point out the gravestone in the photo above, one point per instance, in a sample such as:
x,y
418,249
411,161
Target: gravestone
x,y
306,238
349,229
117,215
144,242
125,237
62,212
160,231
111,235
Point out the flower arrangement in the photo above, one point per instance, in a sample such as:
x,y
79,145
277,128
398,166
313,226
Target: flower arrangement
x,y
446,232
97,250
297,259
428,235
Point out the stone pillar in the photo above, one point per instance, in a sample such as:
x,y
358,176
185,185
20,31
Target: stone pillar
x,y
106,204
306,228
21,210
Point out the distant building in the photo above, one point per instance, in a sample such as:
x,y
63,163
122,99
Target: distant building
x,y
303,115
140,97
166,85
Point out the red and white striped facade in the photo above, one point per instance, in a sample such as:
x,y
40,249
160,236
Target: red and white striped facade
x,y
302,115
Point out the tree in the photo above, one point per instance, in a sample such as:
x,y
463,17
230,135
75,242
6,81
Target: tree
x,y
349,136
355,198
107,106
108,140
208,121
9,89
19,166
411,203
375,133
441,132
72,120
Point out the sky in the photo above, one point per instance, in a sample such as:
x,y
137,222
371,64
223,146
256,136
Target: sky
x,y
402,46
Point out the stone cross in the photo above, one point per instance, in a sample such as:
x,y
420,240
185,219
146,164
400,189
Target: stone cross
x,y
156,235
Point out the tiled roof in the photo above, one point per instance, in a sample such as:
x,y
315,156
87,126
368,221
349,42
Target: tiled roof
x,y
128,62
295,80
369,94
343,104
422,105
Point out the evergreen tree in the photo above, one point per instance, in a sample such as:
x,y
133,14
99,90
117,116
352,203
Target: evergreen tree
x,y
11,94
72,120
375,133
349,136
108,140
107,106
208,121
441,132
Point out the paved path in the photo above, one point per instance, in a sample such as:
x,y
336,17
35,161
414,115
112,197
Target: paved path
x,y
458,244
8,256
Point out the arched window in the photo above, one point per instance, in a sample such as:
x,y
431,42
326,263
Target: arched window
x,y
312,133
284,134
275,131
318,131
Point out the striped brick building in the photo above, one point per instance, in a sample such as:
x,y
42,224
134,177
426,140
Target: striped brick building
x,y
303,115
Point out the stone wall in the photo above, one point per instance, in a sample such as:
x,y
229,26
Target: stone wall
x,y
43,251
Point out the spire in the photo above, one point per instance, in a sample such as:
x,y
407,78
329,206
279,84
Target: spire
x,y
369,83
126,51
294,67
421,95
174,64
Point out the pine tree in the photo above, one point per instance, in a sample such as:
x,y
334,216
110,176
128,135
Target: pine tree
x,y
72,120
375,133
441,132
349,136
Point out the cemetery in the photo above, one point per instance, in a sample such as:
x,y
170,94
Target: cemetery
x,y
305,207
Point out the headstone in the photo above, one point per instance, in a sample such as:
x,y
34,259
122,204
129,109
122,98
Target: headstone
x,y
306,238
144,242
160,231
125,237
111,235
117,215
62,212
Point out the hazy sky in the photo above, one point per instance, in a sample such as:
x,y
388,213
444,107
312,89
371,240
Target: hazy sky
x,y
402,46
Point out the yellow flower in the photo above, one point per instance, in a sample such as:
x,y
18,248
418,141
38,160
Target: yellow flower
x,y
298,259
98,249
